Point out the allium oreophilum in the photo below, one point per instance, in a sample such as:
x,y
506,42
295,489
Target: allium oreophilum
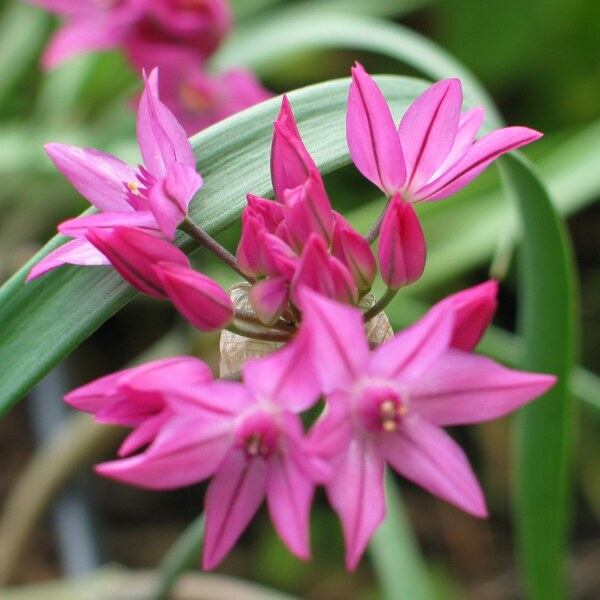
x,y
308,273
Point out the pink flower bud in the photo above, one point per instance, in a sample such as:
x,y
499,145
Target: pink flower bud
x,y
133,253
401,245
343,282
249,256
271,212
291,164
354,252
308,211
269,298
202,301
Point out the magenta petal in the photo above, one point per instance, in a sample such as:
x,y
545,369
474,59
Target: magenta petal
x,y
371,133
144,434
428,130
411,352
468,126
217,398
186,450
97,176
339,348
202,301
334,430
462,388
232,499
286,377
356,494
308,211
429,457
161,138
291,164
481,154
272,213
79,226
401,247
473,310
289,496
80,35
76,252
170,197
314,270
134,252
269,298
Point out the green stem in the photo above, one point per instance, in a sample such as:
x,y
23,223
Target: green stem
x,y
387,297
373,233
250,317
266,336
212,245
184,553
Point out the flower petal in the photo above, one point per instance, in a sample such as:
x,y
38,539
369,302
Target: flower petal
x,y
462,388
289,496
428,130
286,377
232,499
97,176
75,252
371,133
79,226
429,457
356,494
409,353
161,138
481,154
201,300
170,197
186,450
339,348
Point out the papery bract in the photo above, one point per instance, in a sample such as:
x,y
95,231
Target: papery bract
x,y
389,406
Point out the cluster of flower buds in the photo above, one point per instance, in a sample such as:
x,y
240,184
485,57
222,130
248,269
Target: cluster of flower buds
x,y
178,36
383,401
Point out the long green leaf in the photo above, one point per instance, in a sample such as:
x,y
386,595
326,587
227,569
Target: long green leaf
x,y
262,46
546,317
43,321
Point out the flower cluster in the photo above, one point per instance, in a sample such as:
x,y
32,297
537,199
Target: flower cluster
x,y
178,36
308,272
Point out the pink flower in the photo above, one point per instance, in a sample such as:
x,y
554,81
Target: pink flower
x,y
389,406
91,25
136,397
250,438
154,197
432,154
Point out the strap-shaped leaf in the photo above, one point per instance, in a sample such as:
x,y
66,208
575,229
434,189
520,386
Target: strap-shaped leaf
x,y
43,321
547,324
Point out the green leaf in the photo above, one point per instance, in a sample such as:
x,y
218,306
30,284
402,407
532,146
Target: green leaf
x,y
395,553
263,46
544,434
43,321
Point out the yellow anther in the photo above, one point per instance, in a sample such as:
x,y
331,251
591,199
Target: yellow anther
x,y
133,188
387,408
389,425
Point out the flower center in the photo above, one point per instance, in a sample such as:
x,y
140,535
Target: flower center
x,y
380,407
258,434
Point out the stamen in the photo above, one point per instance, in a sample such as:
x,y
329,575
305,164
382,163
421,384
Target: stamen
x,y
133,188
254,445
